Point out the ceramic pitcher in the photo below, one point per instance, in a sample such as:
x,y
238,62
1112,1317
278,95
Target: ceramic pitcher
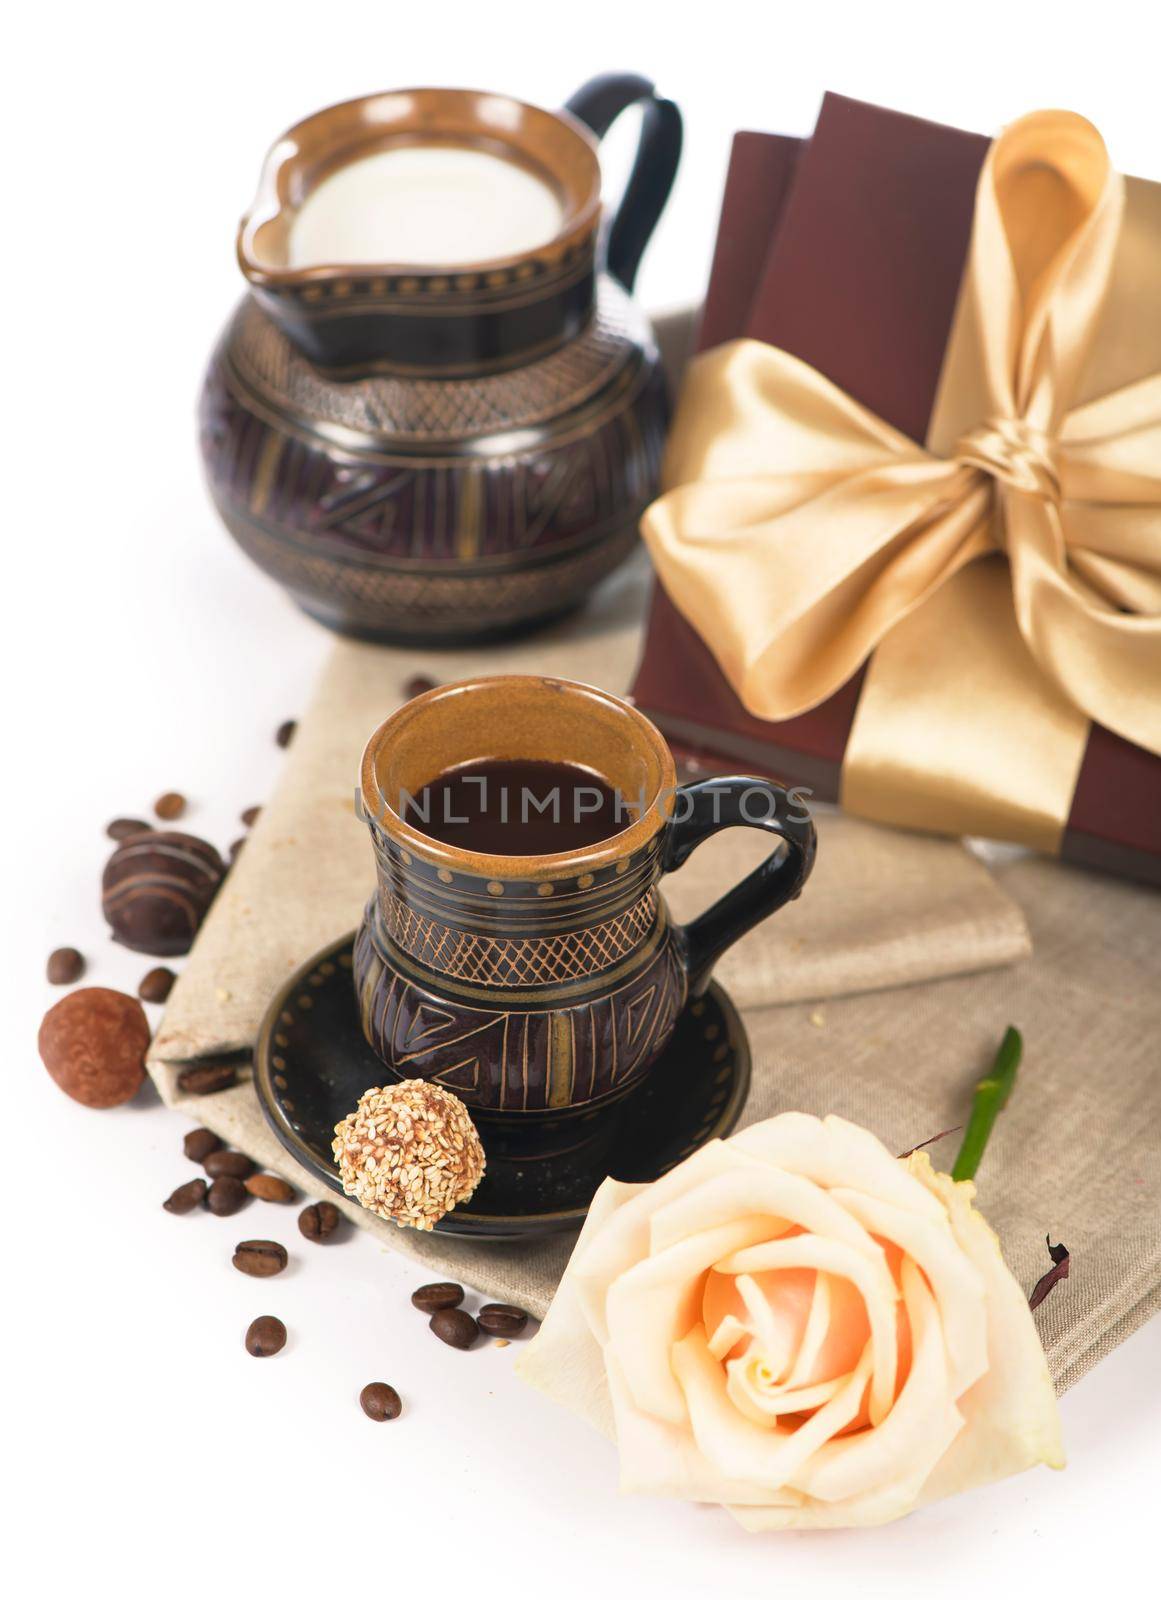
x,y
448,453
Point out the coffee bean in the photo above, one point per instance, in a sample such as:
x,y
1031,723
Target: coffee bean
x,y
380,1402
169,806
228,1164
265,1336
199,1143
156,984
207,1077
65,965
250,815
437,1296
419,683
318,1222
260,1258
285,734
235,850
125,827
455,1327
187,1197
226,1196
265,1186
502,1321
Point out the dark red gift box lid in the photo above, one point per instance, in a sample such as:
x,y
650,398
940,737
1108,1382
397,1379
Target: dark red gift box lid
x,y
847,250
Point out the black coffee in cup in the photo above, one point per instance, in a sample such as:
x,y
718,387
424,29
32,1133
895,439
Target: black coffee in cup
x,y
518,808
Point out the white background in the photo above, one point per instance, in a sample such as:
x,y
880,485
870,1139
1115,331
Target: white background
x,y
151,1455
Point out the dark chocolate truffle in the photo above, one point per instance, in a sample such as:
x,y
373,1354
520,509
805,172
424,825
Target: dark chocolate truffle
x,y
93,1043
157,888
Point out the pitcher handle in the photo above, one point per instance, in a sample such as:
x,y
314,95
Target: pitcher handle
x,y
598,104
702,809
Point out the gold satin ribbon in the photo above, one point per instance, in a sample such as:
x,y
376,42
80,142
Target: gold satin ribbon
x,y
801,535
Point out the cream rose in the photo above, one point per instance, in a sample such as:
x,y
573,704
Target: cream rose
x,y
802,1327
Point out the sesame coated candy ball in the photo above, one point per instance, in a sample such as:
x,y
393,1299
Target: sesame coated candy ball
x,y
409,1153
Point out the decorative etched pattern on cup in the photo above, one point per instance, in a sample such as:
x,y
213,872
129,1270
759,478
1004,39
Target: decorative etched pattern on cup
x,y
517,962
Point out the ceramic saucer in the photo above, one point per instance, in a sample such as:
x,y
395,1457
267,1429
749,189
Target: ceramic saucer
x,y
312,1063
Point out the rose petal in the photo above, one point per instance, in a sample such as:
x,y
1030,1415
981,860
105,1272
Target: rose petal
x,y
812,1515
564,1359
654,1304
764,1403
903,1448
806,1327
835,1333
776,1321
728,1332
750,1188
735,1446
817,1328
870,1276
1012,1420
835,1153
846,1458
658,1458
603,1253
955,1282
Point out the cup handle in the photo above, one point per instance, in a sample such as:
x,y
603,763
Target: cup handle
x,y
598,104
705,808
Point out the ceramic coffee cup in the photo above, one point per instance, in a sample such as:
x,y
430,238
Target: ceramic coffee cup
x,y
539,986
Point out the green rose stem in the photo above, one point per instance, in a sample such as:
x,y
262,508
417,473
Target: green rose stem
x,y
990,1098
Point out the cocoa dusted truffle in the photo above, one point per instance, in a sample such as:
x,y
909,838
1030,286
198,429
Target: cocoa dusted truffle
x,y
157,888
93,1043
409,1153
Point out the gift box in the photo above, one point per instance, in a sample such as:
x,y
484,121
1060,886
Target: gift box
x,y
915,481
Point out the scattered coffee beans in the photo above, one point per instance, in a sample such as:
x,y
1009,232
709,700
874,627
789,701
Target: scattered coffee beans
x,y
65,965
228,1164
156,984
126,827
265,1336
437,1296
318,1222
260,1258
285,734
380,1402
226,1196
187,1197
169,806
455,1327
250,815
265,1186
418,683
207,1077
199,1143
93,1043
502,1322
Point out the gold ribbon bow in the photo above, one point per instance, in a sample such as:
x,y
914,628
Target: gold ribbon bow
x,y
802,535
